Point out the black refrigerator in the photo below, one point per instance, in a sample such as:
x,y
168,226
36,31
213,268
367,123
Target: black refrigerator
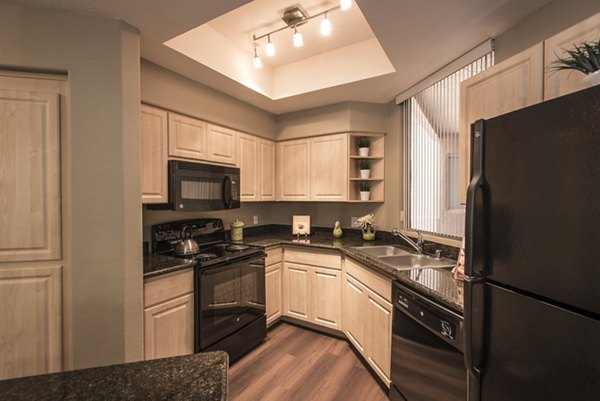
x,y
532,295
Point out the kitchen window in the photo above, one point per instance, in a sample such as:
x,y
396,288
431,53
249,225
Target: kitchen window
x,y
431,127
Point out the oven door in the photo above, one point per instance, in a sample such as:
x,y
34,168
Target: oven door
x,y
228,297
196,187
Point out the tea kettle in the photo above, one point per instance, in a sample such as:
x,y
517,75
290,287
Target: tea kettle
x,y
186,245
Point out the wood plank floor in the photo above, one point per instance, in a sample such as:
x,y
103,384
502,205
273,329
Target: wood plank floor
x,y
295,364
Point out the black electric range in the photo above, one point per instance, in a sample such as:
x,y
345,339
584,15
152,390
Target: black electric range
x,y
229,283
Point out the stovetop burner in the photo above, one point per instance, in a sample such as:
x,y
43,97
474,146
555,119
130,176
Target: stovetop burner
x,y
237,248
203,257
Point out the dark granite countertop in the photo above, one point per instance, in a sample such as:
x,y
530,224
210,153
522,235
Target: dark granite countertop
x,y
438,284
155,265
200,376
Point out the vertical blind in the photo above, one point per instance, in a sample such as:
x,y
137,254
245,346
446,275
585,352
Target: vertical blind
x,y
431,127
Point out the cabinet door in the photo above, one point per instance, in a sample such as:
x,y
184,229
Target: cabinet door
x,y
187,137
511,85
329,168
248,163
558,83
379,334
354,311
266,179
326,297
296,291
169,328
222,145
30,312
30,226
154,125
293,170
273,282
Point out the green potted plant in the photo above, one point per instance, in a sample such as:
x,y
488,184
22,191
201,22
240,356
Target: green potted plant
x,y
367,224
584,58
365,168
363,146
365,190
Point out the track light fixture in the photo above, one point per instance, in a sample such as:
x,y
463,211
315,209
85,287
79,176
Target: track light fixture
x,y
293,18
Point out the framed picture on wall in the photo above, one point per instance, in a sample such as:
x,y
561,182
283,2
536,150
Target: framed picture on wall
x,y
301,225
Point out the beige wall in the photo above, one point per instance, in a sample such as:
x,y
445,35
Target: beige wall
x,y
551,19
169,90
101,59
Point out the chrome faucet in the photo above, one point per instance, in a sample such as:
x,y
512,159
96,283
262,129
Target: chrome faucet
x,y
418,246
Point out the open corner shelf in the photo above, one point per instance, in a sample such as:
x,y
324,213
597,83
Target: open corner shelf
x,y
377,166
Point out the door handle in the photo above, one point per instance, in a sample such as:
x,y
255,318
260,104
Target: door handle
x,y
475,226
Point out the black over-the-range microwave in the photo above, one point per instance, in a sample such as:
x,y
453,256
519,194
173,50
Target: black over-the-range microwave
x,y
199,186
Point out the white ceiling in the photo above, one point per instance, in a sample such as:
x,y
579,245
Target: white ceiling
x,y
418,36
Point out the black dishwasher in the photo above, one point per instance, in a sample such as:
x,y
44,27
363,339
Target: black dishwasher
x,y
427,358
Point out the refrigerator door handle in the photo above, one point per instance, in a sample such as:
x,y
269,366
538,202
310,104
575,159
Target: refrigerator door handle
x,y
474,229
473,324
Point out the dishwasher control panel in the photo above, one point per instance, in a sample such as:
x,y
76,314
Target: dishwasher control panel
x,y
438,319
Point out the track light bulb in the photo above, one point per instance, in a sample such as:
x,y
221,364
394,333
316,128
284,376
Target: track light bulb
x,y
256,60
297,39
325,26
270,47
345,4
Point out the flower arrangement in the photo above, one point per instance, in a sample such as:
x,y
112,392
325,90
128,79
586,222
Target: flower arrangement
x,y
366,222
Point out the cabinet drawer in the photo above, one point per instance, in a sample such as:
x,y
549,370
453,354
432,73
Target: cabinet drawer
x,y
329,259
274,255
169,286
377,283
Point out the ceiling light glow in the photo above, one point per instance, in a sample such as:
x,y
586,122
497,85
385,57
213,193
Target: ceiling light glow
x,y
345,4
256,60
297,39
270,48
325,26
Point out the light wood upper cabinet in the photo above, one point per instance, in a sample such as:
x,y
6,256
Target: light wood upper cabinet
x,y
558,83
29,170
169,315
30,312
187,137
266,176
515,83
249,168
293,170
222,144
329,172
154,125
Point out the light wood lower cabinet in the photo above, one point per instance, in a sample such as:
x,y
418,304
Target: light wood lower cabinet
x,y
30,321
312,289
169,315
273,285
367,316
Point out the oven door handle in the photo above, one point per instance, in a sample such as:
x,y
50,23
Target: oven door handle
x,y
226,266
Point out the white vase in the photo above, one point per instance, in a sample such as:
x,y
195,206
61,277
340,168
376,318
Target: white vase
x,y
365,174
592,79
364,195
364,152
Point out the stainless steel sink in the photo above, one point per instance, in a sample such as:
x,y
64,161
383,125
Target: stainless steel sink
x,y
379,251
408,262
